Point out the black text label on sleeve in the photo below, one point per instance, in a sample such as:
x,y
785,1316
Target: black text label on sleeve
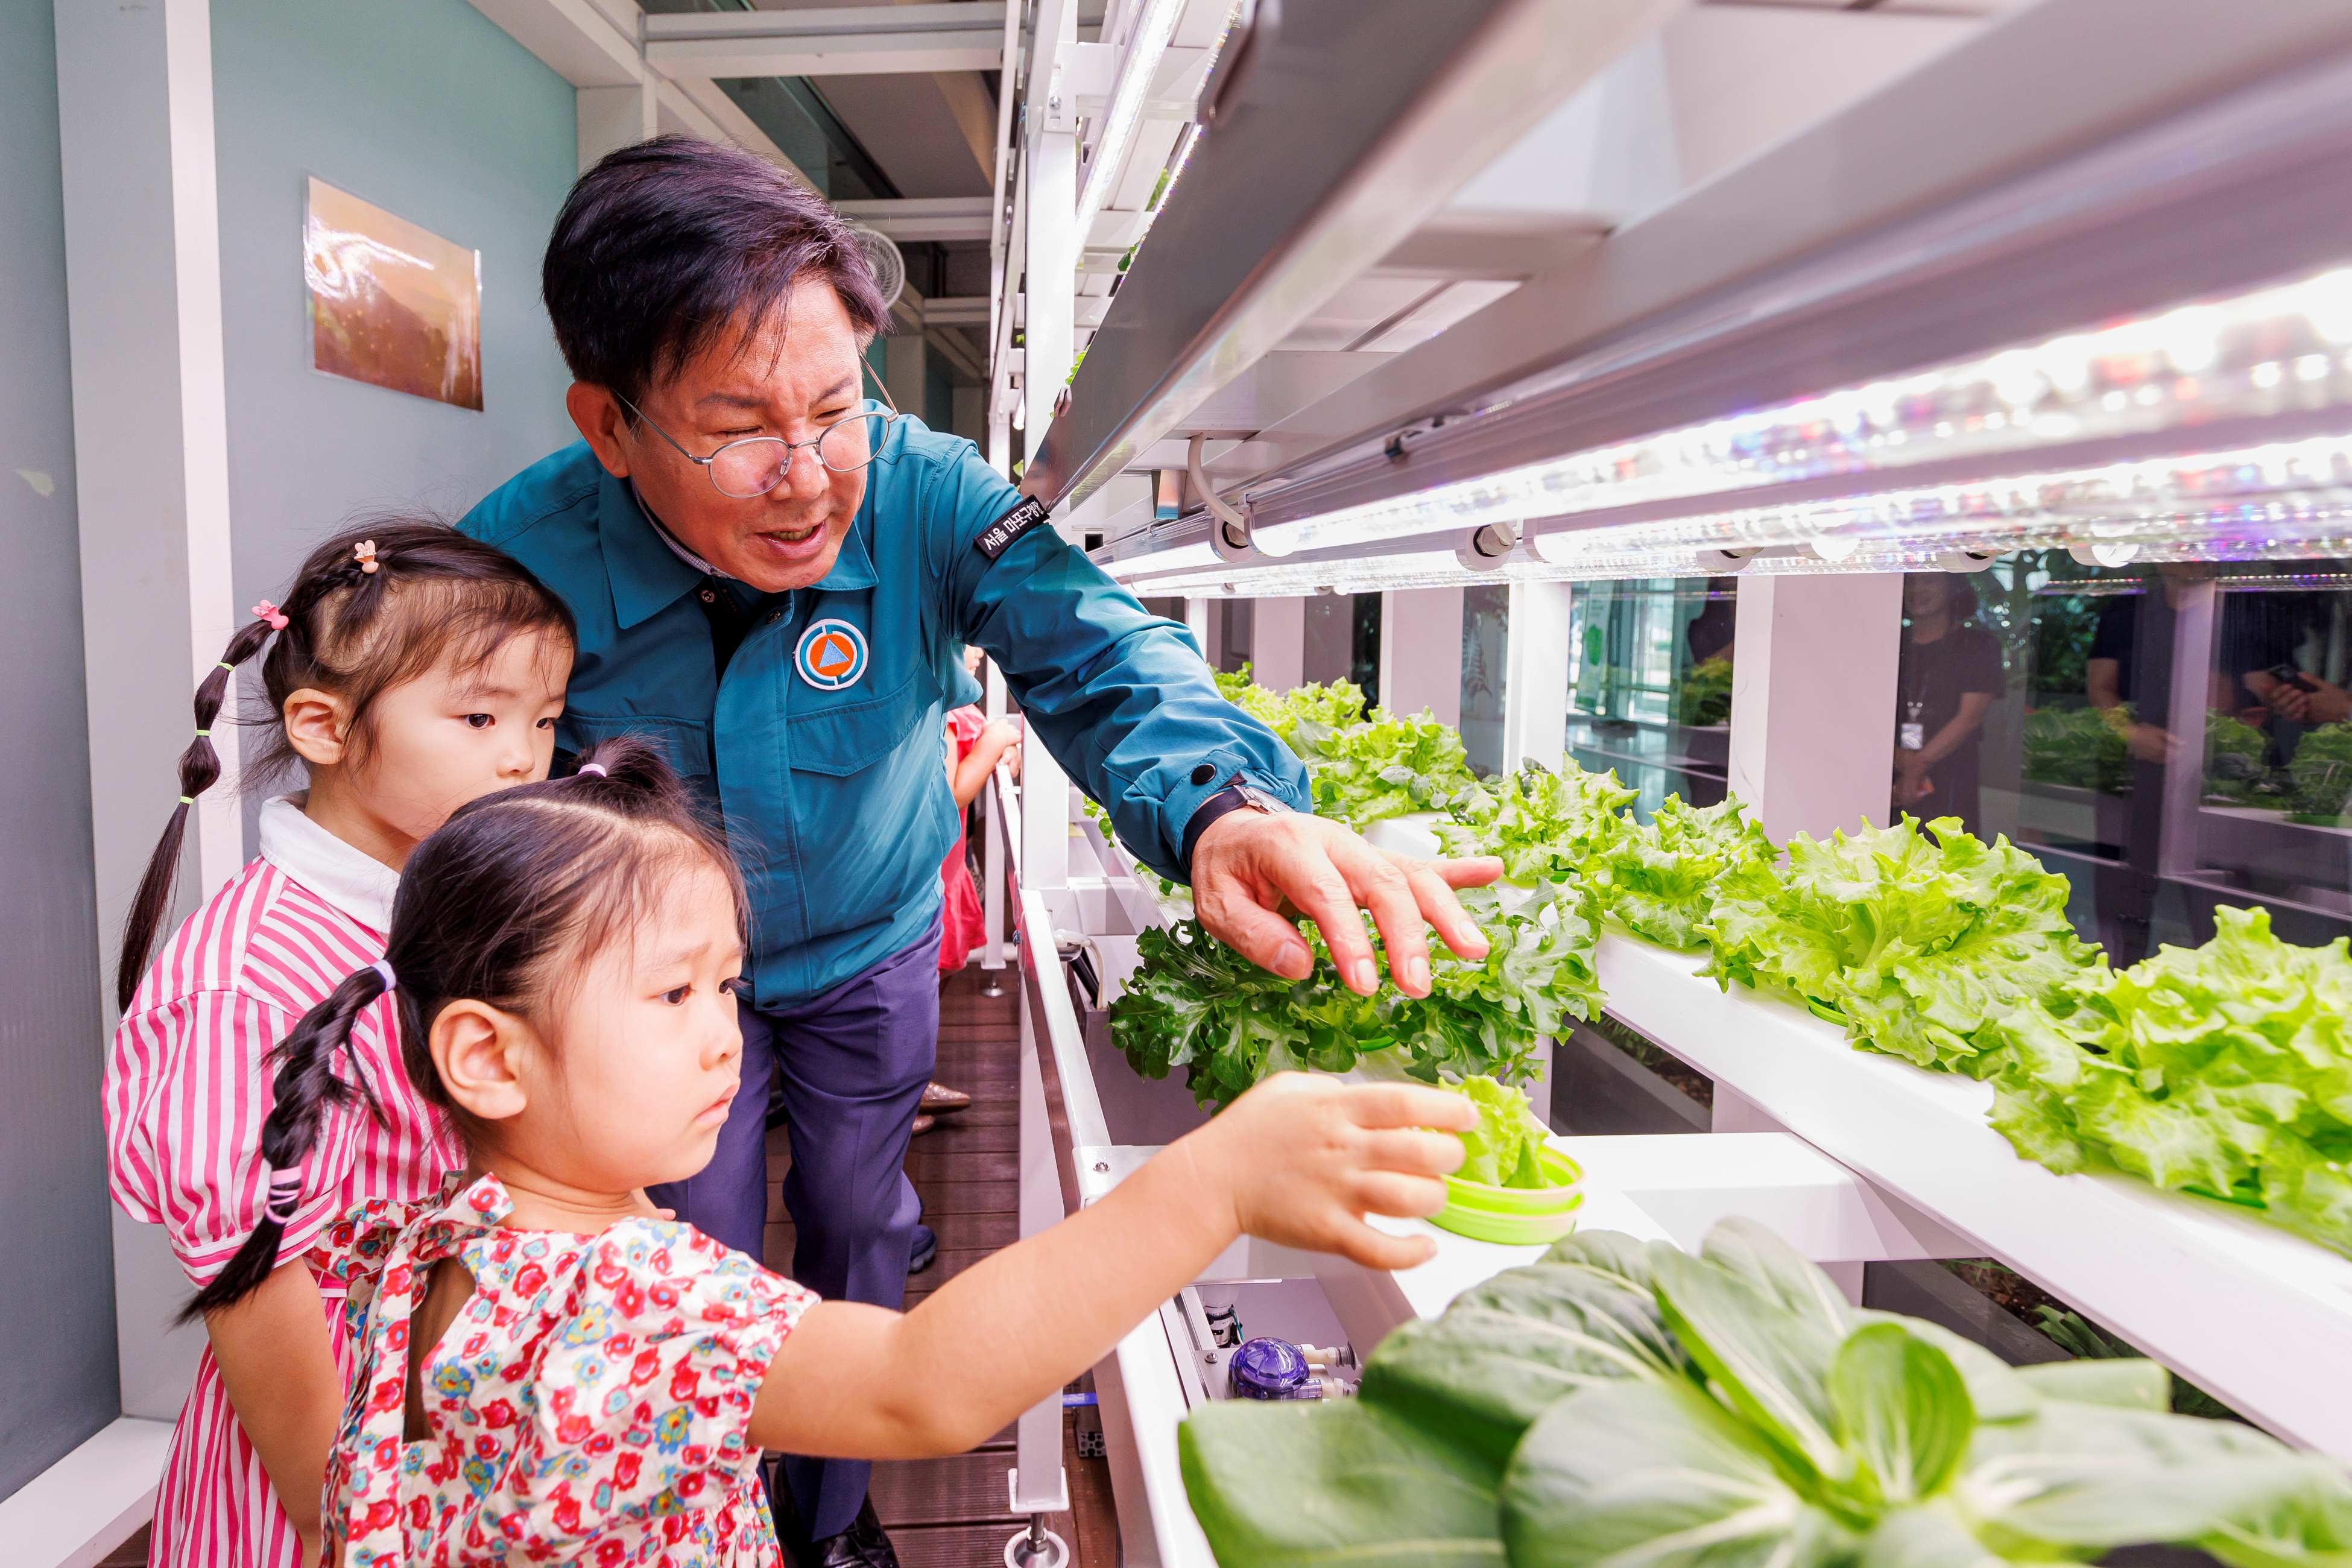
x,y
998,536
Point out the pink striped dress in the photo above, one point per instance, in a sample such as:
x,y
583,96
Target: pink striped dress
x,y
187,1088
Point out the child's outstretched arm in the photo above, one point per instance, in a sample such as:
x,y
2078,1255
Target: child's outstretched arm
x,y
1298,1160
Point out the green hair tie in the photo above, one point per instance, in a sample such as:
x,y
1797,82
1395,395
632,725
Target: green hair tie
x,y
226,665
203,734
187,800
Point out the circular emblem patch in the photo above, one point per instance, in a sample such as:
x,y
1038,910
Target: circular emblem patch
x,y
832,655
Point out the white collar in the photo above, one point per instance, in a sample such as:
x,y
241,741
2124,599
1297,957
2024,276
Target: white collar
x,y
357,883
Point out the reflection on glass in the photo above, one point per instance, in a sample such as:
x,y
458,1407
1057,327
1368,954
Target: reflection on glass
x,y
1650,685
2174,737
1949,675
1486,640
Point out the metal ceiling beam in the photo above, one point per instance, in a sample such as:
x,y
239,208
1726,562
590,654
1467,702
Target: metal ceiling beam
x,y
924,217
880,40
1926,234
1300,188
954,311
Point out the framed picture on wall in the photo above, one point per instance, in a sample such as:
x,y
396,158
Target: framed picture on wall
x,y
391,304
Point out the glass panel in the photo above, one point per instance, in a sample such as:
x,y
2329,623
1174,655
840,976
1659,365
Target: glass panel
x,y
2169,737
1649,675
1485,640
1364,668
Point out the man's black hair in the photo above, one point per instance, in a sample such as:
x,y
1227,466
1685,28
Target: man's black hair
x,y
664,247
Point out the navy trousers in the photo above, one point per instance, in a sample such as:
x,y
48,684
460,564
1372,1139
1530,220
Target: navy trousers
x,y
850,1064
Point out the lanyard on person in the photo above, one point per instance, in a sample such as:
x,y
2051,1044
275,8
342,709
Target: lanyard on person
x,y
1911,735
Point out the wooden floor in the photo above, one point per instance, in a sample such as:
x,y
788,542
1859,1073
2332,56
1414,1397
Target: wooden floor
x,y
954,1513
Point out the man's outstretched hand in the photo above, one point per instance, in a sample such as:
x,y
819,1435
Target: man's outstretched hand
x,y
1249,864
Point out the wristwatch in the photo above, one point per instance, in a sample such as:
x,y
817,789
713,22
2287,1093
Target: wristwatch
x,y
1237,795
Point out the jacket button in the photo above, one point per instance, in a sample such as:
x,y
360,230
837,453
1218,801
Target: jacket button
x,y
1204,774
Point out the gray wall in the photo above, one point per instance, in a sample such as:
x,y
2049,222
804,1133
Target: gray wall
x,y
427,109
57,1321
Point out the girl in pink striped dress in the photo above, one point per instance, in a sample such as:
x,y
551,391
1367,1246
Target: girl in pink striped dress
x,y
409,671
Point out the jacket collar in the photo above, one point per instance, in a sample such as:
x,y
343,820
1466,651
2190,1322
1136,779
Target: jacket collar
x,y
357,883
647,574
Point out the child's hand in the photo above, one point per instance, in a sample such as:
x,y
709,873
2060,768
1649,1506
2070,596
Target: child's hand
x,y
1302,1159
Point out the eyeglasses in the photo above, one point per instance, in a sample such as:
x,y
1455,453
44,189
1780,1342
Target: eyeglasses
x,y
758,464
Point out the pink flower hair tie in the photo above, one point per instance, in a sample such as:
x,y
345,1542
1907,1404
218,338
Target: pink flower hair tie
x,y
366,552
265,611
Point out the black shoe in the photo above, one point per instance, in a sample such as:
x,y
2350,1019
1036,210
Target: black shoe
x,y
862,1545
927,1247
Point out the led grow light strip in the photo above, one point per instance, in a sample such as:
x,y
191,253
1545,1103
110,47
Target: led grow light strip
x,y
2214,498
2271,350
1124,116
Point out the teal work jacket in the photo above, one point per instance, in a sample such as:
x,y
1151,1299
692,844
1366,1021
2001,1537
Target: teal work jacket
x,y
822,746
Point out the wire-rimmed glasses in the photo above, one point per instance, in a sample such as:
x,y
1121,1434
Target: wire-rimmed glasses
x,y
757,464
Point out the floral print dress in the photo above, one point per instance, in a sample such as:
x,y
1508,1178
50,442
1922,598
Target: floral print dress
x,y
590,1403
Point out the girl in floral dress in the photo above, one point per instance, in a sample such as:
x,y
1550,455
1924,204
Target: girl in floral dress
x,y
550,1371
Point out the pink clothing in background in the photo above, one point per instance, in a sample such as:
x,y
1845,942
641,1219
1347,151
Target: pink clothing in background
x,y
962,925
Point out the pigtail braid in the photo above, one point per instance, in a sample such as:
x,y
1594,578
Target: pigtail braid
x,y
305,1086
199,771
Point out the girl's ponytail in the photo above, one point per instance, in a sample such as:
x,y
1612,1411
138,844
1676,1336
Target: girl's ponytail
x,y
199,770
305,1086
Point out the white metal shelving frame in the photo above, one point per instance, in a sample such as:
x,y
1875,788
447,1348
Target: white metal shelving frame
x,y
1907,228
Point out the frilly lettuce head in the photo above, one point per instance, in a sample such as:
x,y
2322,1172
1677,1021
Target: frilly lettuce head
x,y
1502,1149
1915,942
2225,1069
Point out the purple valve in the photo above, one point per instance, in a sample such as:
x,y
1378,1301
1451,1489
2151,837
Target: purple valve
x,y
1272,1369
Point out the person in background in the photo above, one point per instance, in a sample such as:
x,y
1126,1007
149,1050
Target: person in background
x,y
1949,677
410,670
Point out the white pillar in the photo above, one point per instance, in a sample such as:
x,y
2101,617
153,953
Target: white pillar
x,y
1000,444
612,118
1420,652
150,441
1200,623
1535,690
906,358
1049,318
1812,699
1278,644
1051,187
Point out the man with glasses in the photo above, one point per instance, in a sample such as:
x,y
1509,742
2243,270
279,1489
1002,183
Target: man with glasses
x,y
775,577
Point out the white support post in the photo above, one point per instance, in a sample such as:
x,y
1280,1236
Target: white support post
x,y
1420,652
1278,644
612,118
1037,1482
1812,699
1198,622
151,439
1535,689
1050,187
2195,623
